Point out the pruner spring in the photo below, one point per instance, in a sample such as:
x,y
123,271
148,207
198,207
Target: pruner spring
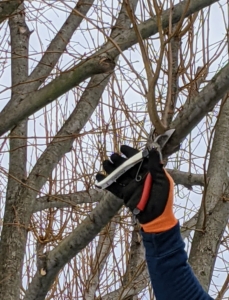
x,y
146,154
139,177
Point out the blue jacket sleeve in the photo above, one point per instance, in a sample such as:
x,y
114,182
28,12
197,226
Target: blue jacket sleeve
x,y
171,276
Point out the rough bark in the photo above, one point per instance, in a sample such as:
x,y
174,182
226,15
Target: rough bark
x,y
12,239
188,226
136,264
7,8
68,200
213,215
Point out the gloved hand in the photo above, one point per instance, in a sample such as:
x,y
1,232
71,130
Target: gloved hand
x,y
158,213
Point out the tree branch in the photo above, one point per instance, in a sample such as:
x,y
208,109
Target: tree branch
x,y
207,243
68,200
173,78
185,178
97,64
193,112
54,51
224,289
7,7
213,215
59,43
93,195
10,267
66,81
135,263
188,226
152,78
71,245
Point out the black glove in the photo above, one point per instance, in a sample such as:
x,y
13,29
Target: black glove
x,y
127,188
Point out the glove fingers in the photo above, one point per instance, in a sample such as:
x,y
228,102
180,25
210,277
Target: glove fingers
x,y
99,177
117,159
128,151
108,166
116,190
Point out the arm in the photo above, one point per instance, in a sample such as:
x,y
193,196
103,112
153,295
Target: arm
x,y
171,275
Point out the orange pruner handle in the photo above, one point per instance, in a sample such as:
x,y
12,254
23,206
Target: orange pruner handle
x,y
146,192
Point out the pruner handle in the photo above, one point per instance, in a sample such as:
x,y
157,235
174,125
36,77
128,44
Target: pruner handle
x,y
145,194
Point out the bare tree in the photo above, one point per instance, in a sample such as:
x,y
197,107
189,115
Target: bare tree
x,y
86,77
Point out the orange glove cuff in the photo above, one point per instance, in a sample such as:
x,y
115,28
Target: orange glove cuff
x,y
167,219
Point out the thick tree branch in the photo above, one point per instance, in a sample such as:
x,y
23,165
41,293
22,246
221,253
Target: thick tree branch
x,y
136,256
193,111
7,7
188,226
11,260
136,261
55,88
70,246
93,195
97,64
68,200
213,215
54,51
207,243
186,179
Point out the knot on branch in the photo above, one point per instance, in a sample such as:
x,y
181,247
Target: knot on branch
x,y
107,64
